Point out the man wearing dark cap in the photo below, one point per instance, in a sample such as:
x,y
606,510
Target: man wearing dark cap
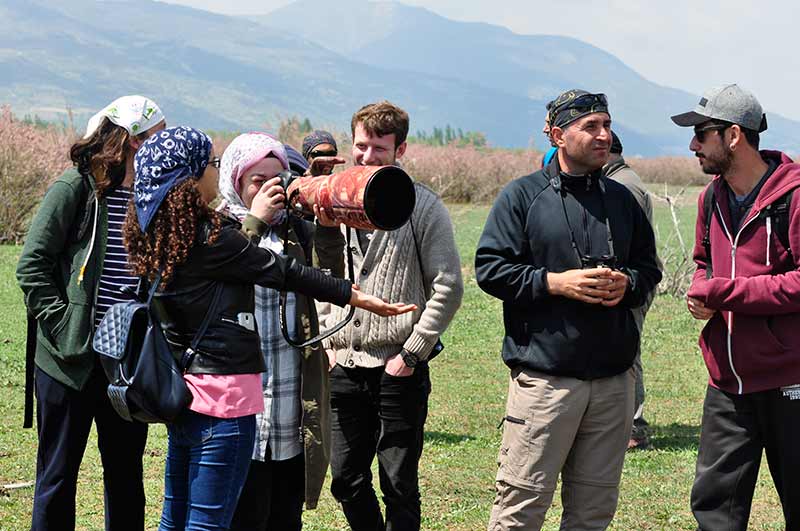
x,y
618,169
551,152
570,254
319,149
747,286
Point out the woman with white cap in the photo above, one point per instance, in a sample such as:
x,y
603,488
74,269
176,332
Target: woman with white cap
x,y
72,268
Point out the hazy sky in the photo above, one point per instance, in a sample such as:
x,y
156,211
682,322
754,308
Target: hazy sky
x,y
687,44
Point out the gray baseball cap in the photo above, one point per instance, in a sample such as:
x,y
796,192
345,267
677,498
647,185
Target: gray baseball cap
x,y
729,103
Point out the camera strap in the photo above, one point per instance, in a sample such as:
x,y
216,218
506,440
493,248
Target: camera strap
x,y
282,300
561,192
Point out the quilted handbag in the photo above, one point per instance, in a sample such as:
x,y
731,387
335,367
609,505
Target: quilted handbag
x,y
146,379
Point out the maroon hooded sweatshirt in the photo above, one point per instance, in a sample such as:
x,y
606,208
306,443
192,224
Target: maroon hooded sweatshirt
x,y
752,343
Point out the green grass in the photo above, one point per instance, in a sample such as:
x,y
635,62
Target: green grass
x,y
468,398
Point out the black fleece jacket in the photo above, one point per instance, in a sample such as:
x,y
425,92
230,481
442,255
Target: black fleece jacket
x,y
527,234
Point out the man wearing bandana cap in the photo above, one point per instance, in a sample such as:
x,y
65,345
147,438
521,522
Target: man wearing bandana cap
x,y
571,254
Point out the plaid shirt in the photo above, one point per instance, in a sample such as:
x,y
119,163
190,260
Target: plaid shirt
x,y
278,427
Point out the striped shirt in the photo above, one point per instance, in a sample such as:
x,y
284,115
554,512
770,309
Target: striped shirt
x,y
116,273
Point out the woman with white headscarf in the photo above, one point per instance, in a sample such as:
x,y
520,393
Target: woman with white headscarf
x,y
292,446
72,268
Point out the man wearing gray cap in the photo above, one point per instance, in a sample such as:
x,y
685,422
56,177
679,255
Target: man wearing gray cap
x,y
571,254
747,286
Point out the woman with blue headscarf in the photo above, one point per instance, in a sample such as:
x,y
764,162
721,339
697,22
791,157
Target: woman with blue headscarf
x,y
170,229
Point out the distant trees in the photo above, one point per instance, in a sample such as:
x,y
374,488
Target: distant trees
x,y
449,135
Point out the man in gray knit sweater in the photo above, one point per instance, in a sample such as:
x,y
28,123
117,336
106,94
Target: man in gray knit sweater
x,y
379,373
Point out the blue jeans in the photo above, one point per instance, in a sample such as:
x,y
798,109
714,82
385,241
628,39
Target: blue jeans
x,y
207,463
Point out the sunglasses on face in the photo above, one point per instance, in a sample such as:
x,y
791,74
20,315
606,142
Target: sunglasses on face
x,y
700,132
216,161
329,153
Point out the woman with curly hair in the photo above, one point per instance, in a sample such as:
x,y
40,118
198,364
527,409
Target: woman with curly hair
x,y
171,229
71,270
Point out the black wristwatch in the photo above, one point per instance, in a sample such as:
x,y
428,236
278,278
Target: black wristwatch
x,y
409,358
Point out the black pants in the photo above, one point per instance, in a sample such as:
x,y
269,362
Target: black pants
x,y
735,430
64,419
374,412
272,497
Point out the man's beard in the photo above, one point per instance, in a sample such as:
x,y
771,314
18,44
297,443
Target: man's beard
x,y
718,165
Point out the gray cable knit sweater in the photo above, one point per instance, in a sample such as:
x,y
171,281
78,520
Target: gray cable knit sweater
x,y
390,270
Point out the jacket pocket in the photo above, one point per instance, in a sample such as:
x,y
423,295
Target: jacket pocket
x,y
70,336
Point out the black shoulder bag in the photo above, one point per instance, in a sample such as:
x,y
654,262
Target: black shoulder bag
x,y
146,381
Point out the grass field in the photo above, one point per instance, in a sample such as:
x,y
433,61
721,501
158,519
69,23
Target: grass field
x,y
469,387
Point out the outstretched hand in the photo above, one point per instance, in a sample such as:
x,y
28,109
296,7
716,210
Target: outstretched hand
x,y
323,165
373,304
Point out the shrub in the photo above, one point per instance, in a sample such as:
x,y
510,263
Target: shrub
x,y
31,157
468,174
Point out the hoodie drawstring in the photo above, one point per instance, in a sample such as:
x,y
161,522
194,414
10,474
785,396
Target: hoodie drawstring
x,y
769,235
91,244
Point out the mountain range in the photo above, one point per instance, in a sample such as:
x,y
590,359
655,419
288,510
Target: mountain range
x,y
323,60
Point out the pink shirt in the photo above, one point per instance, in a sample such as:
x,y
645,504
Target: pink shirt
x,y
225,396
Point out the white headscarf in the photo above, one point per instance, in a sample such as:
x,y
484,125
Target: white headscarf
x,y
136,114
240,155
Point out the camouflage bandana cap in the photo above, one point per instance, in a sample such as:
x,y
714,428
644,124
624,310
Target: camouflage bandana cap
x,y
574,104
165,160
316,138
136,114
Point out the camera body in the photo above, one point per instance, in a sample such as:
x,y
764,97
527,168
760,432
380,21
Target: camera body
x,y
603,260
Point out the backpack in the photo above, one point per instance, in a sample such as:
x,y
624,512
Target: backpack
x,y
777,212
145,378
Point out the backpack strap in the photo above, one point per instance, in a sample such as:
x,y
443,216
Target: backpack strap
x,y
189,353
30,363
211,313
708,213
779,213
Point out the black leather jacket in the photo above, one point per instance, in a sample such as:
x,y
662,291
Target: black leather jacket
x,y
236,261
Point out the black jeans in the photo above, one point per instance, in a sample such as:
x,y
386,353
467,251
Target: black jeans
x,y
273,496
735,430
374,412
63,420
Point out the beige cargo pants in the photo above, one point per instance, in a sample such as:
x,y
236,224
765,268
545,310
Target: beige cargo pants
x,y
578,428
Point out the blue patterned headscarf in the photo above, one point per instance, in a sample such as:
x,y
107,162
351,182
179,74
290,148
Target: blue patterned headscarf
x,y
165,160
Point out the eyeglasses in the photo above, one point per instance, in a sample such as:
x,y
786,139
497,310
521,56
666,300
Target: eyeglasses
x,y
700,133
216,162
328,153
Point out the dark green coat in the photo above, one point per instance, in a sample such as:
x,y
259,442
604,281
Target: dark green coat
x,y
60,286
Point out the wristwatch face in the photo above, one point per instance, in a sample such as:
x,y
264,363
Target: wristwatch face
x,y
410,359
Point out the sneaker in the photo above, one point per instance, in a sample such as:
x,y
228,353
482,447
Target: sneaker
x,y
639,440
